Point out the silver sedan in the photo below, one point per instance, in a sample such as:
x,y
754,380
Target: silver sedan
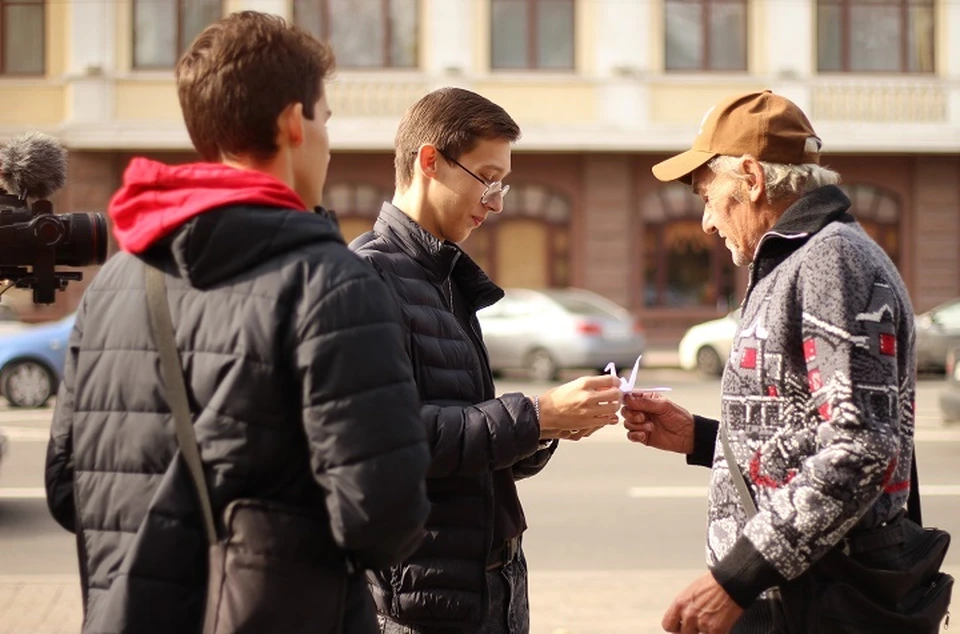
x,y
547,330
938,330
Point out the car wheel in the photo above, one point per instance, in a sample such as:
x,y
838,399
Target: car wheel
x,y
708,361
541,366
27,384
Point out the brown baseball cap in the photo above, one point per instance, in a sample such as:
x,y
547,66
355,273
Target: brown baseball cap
x,y
766,126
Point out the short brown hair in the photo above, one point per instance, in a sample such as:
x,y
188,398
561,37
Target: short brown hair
x,y
452,119
239,75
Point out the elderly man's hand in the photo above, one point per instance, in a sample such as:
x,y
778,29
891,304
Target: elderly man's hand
x,y
703,607
657,422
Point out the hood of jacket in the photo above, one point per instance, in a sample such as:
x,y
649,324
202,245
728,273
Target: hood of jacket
x,y
214,220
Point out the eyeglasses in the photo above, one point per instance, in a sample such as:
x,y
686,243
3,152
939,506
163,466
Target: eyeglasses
x,y
494,188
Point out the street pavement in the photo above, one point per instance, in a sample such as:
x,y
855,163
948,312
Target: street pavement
x,y
616,529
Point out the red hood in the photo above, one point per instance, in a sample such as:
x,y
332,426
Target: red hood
x,y
155,199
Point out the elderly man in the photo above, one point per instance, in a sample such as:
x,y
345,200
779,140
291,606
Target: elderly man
x,y
817,398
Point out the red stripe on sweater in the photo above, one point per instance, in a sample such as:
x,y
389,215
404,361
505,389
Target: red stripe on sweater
x,y
896,487
758,478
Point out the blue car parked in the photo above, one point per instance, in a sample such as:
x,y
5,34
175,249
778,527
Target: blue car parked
x,y
31,362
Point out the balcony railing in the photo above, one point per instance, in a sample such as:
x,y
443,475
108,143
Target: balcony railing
x,y
879,100
374,96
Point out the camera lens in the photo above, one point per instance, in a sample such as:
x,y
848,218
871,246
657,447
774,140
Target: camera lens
x,y
86,244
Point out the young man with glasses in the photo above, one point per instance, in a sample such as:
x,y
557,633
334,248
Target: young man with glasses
x,y
469,574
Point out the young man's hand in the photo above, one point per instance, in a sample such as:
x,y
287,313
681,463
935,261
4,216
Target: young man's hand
x,y
576,409
571,434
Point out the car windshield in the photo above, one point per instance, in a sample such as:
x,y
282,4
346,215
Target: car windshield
x,y
586,307
948,315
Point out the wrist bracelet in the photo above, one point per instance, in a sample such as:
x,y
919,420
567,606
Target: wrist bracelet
x,y
543,444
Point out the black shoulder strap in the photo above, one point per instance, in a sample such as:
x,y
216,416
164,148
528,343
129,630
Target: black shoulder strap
x,y
172,373
913,498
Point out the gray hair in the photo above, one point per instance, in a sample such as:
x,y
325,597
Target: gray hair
x,y
782,180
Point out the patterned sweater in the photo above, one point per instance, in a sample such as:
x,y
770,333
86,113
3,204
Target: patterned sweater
x,y
818,399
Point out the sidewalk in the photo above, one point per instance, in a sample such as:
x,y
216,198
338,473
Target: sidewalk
x,y
562,602
46,604
572,602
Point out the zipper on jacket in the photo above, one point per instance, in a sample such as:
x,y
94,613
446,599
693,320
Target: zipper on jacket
x,y
447,285
751,281
481,357
752,268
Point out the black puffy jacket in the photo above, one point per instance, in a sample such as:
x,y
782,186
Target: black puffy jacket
x,y
302,393
471,433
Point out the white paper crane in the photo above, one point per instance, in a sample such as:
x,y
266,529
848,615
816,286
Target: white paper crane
x,y
628,385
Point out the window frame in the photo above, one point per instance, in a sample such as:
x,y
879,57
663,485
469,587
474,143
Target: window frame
x,y
386,46
845,36
532,62
6,74
181,44
705,65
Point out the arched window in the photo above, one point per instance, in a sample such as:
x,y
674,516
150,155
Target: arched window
x,y
528,244
356,205
683,266
878,212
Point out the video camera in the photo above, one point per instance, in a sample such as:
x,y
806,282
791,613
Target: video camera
x,y
33,239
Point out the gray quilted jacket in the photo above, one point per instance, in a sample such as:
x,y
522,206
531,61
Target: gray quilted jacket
x,y
302,392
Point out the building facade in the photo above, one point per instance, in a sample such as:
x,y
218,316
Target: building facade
x,y
602,89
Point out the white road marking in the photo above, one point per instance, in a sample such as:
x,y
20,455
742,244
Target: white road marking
x,y
688,492
26,434
937,435
14,416
651,493
939,490
22,493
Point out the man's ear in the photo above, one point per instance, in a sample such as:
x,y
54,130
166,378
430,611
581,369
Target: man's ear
x,y
290,126
426,161
755,181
